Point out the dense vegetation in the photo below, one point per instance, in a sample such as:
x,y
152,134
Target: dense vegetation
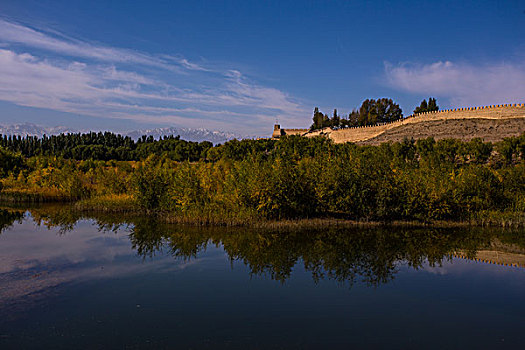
x,y
104,146
295,177
371,112
431,106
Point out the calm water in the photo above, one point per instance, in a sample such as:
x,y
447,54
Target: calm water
x,y
114,282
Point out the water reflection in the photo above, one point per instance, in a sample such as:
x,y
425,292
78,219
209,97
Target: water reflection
x,y
344,255
349,255
72,280
8,217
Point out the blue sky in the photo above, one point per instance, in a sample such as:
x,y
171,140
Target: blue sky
x,y
240,65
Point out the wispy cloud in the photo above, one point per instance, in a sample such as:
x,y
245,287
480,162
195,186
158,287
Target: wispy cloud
x,y
17,34
463,84
50,70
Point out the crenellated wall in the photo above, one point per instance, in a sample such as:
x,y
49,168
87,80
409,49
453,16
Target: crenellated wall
x,y
278,132
494,257
363,133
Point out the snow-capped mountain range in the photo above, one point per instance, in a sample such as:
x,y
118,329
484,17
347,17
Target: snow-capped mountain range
x,y
188,134
33,130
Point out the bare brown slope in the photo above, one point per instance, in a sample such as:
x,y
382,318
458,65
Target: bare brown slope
x,y
464,129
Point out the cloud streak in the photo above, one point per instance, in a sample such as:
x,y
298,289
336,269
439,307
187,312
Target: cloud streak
x,y
50,70
463,84
17,34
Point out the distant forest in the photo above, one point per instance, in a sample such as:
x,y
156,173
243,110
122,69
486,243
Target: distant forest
x,y
105,146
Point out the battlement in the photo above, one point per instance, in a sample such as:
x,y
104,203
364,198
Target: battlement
x,y
493,257
449,112
278,132
477,108
363,133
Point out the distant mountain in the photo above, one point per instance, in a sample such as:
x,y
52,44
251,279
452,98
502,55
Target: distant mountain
x,y
188,134
34,130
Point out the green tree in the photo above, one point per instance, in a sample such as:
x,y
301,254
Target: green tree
x,y
336,119
151,184
367,113
387,110
431,106
384,110
10,162
353,118
320,120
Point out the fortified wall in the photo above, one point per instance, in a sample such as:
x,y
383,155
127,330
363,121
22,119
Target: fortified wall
x,y
363,133
278,132
494,257
497,253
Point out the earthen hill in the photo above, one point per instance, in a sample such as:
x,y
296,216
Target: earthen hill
x,y
490,123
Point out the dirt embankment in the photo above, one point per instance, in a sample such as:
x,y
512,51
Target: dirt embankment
x,y
492,130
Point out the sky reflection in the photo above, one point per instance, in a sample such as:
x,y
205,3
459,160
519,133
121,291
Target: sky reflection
x,y
67,283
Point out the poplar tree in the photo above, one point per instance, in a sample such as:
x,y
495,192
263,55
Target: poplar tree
x,y
431,106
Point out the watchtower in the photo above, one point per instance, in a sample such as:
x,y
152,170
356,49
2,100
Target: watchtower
x,y
277,131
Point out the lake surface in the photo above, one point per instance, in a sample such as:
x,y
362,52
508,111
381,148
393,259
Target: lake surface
x,y
74,281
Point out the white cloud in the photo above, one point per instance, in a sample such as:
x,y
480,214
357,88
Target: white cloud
x,y
463,84
28,271
15,33
38,69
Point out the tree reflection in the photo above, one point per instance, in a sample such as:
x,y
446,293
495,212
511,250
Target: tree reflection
x,y
371,255
9,217
346,255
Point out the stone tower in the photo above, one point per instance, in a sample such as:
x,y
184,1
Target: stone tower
x,y
277,131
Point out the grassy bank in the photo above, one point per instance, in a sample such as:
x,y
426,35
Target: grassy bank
x,y
111,203
127,204
34,195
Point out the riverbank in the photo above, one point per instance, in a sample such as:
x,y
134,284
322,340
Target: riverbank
x,y
294,179
128,206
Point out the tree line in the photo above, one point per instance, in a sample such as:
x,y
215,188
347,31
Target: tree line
x,y
105,146
371,112
111,146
